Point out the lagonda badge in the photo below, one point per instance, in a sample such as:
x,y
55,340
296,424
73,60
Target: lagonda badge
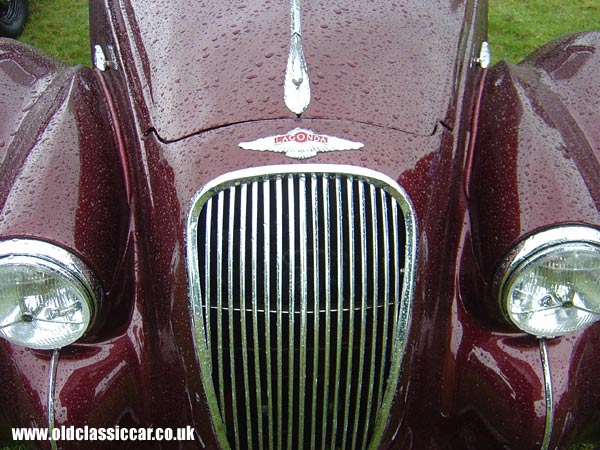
x,y
301,144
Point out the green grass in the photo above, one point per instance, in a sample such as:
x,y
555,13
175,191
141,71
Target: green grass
x,y
60,28
517,27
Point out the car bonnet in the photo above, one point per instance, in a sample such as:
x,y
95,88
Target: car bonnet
x,y
204,65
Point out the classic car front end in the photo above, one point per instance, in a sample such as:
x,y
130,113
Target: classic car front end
x,y
301,225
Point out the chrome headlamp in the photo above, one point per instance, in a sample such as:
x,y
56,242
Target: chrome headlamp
x,y
48,296
549,285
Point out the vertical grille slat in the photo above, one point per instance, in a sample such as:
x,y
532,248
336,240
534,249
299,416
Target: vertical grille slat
x,y
351,280
255,292
266,290
232,281
314,208
303,349
279,269
245,369
385,238
364,264
396,253
374,298
219,312
292,309
303,244
327,275
340,306
207,274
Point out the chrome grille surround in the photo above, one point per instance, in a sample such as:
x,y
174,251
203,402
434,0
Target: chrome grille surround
x,y
250,250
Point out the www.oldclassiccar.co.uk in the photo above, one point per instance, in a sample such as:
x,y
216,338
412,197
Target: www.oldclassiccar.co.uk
x,y
103,434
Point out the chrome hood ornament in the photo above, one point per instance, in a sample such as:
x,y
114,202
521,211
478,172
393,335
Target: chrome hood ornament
x,y
301,144
297,84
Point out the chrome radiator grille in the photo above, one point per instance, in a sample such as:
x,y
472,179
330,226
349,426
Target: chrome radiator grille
x,y
300,287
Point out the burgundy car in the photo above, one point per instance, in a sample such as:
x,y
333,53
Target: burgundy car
x,y
285,225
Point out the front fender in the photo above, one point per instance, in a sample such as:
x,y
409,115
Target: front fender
x,y
62,181
538,143
60,173
536,164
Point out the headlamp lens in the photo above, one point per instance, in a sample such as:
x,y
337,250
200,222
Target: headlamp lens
x,y
558,292
44,304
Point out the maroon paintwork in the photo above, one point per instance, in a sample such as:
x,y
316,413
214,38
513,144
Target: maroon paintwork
x,y
106,164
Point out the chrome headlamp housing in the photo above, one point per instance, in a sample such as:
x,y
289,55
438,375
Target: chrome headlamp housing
x,y
549,284
49,297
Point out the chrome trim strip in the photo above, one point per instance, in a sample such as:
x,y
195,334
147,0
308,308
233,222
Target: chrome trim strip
x,y
298,312
295,17
402,285
51,395
297,84
198,329
403,304
548,393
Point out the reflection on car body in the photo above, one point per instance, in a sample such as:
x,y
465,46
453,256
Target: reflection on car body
x,y
312,225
